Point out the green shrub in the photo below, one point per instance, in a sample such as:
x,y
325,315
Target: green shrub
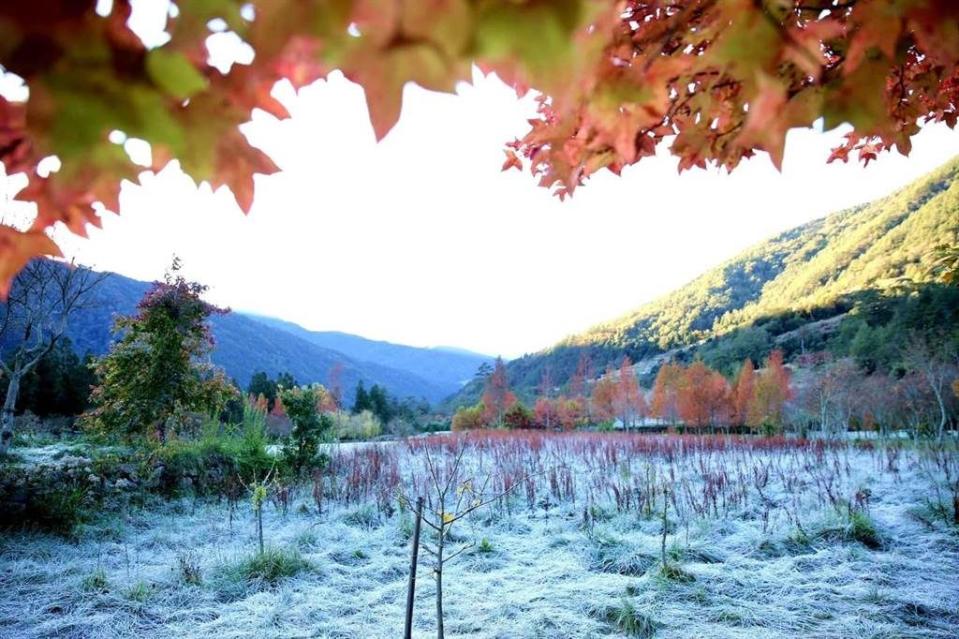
x,y
96,581
138,592
361,426
862,529
631,622
301,451
270,566
365,516
208,464
673,572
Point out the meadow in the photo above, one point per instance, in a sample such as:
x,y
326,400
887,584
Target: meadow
x,y
566,535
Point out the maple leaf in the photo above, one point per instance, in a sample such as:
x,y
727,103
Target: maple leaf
x,y
17,249
512,161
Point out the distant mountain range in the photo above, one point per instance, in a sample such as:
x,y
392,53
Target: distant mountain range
x,y
800,278
246,344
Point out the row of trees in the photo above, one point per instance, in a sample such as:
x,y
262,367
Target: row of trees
x,y
695,396
819,391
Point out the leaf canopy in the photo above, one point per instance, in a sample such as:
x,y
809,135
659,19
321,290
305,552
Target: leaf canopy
x,y
716,80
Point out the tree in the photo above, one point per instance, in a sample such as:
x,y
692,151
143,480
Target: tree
x,y
261,385
546,413
380,404
518,417
717,81
59,384
666,388
743,391
543,410
703,396
497,397
602,400
630,401
309,427
469,418
43,298
770,394
335,384
155,374
361,399
946,266
932,360
571,412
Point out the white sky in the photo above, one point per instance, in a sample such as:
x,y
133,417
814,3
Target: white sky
x,y
422,240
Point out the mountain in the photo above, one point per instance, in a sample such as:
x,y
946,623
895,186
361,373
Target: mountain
x,y
246,344
787,286
443,366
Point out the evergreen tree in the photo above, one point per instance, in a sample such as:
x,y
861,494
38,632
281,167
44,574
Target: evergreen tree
x,y
361,400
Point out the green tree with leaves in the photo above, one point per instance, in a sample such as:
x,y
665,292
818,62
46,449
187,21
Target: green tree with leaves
x,y
310,427
361,399
155,376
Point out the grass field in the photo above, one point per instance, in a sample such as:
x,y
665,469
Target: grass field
x,y
765,538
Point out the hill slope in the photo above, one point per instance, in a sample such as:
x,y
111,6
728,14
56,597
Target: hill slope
x,y
804,275
443,367
246,344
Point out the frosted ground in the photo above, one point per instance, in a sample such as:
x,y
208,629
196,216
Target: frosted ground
x,y
552,565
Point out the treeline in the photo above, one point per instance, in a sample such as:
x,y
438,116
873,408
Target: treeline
x,y
58,386
693,397
818,391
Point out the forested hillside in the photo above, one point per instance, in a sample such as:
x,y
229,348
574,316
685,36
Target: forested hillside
x,y
779,290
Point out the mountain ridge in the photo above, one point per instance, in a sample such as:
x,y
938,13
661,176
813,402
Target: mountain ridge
x,y
245,344
797,277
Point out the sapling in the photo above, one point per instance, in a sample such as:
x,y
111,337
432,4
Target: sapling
x,y
259,490
467,500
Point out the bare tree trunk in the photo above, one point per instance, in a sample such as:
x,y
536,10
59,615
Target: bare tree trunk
x,y
9,405
440,634
259,527
408,631
943,415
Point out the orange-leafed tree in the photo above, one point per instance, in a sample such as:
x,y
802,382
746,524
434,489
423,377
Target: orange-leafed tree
x,y
497,396
666,392
571,412
770,394
630,401
716,81
743,391
544,412
703,397
603,400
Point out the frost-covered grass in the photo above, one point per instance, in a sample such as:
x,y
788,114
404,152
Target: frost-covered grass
x,y
772,541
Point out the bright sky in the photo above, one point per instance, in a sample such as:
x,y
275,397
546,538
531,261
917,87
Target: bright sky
x,y
422,240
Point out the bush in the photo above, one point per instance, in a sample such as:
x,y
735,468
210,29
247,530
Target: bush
x,y
138,592
188,569
356,427
96,581
469,418
301,452
862,529
209,464
270,566
626,618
